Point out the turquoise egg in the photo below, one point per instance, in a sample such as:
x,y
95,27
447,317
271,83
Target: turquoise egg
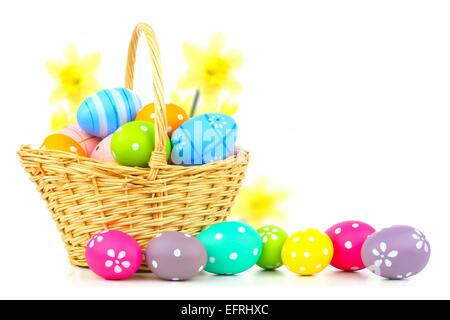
x,y
203,139
105,111
232,247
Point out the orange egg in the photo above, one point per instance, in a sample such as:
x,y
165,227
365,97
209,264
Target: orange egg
x,y
62,142
176,116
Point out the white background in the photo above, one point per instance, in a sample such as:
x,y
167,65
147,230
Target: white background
x,y
345,103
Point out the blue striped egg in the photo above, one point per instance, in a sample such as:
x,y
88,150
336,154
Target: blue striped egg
x,y
205,138
105,111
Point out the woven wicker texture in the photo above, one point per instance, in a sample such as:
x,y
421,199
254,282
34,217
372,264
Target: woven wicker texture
x,y
86,196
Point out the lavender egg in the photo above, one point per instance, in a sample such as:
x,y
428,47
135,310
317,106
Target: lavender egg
x,y
175,256
397,252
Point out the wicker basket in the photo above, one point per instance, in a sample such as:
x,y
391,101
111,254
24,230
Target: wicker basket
x,y
86,196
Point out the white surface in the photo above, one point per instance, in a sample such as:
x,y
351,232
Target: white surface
x,y
353,107
77,283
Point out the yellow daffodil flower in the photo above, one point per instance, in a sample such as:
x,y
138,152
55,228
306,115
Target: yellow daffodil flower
x,y
75,76
258,204
211,69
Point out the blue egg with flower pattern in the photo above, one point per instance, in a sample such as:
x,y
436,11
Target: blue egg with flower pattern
x,y
203,139
105,111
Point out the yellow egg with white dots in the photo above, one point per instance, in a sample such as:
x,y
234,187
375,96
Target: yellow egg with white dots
x,y
307,252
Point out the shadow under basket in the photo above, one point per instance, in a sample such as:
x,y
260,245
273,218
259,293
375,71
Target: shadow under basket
x,y
86,196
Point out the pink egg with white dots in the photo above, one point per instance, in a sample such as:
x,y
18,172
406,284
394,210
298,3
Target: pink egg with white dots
x,y
102,151
113,255
84,139
348,238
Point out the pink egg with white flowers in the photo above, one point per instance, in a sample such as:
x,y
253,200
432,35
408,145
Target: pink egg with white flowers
x,y
348,238
113,255
86,141
102,152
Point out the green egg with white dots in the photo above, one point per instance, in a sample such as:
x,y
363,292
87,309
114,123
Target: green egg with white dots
x,y
134,142
272,238
232,247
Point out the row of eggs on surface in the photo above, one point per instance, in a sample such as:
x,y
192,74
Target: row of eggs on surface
x,y
114,127
228,248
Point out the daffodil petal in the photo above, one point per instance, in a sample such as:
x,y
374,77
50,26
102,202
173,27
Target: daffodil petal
x,y
59,120
228,107
54,67
216,43
281,195
232,85
71,54
175,97
90,63
90,86
194,54
187,81
234,59
209,94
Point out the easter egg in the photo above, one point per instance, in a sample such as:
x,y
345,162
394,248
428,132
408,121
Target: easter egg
x,y
307,252
62,142
86,141
273,238
175,116
133,144
397,252
232,247
102,151
105,111
348,238
113,255
175,256
203,139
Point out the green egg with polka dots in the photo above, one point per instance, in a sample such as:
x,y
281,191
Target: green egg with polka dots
x,y
133,143
273,238
232,247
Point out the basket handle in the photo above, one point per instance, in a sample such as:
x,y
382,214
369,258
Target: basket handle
x,y
158,157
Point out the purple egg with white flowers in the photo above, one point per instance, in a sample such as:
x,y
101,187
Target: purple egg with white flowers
x,y
175,256
397,252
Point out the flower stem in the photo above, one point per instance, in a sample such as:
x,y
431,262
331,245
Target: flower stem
x,y
195,103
